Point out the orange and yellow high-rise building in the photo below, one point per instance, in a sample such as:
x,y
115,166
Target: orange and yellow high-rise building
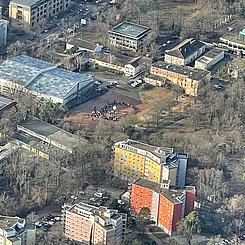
x,y
167,205
134,160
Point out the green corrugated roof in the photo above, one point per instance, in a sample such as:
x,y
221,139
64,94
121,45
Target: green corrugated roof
x,y
242,32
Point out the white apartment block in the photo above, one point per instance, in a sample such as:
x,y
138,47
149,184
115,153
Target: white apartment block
x,y
15,231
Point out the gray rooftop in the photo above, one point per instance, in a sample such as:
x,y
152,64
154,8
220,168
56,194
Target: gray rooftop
x,y
130,29
38,144
52,132
209,56
7,222
41,76
155,150
4,102
27,3
183,70
185,48
172,194
7,150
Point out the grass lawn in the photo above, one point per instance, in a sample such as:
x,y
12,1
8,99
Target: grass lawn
x,y
158,232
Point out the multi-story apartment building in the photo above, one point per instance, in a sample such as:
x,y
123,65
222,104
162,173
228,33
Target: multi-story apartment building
x,y
167,206
134,160
3,31
93,225
15,231
191,80
31,12
128,36
185,53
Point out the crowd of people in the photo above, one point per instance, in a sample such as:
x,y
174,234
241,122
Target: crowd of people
x,y
110,110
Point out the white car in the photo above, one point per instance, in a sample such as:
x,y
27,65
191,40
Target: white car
x,y
98,194
217,86
120,202
217,210
115,83
73,197
69,30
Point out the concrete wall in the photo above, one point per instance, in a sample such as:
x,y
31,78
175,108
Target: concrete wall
x,y
174,60
181,172
3,33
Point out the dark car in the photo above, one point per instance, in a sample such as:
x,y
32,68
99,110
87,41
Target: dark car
x,y
44,228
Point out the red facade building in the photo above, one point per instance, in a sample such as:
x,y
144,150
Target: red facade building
x,y
167,205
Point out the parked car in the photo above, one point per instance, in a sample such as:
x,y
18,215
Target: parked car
x,y
115,83
98,194
98,82
57,218
120,202
217,210
44,228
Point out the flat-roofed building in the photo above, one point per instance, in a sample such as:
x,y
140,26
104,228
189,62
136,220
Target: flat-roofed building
x,y
185,52
7,150
38,147
210,59
134,160
129,36
32,12
93,225
234,39
154,80
188,78
3,32
43,80
5,104
167,205
50,134
15,231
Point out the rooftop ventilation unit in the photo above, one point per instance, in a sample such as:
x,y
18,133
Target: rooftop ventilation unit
x,y
192,41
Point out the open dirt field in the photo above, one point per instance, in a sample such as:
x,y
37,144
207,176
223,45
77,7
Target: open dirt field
x,y
80,117
141,103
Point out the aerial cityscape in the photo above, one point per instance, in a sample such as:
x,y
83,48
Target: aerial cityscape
x,y
122,122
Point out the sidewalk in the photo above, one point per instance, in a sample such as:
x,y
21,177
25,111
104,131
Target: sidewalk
x,y
153,237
